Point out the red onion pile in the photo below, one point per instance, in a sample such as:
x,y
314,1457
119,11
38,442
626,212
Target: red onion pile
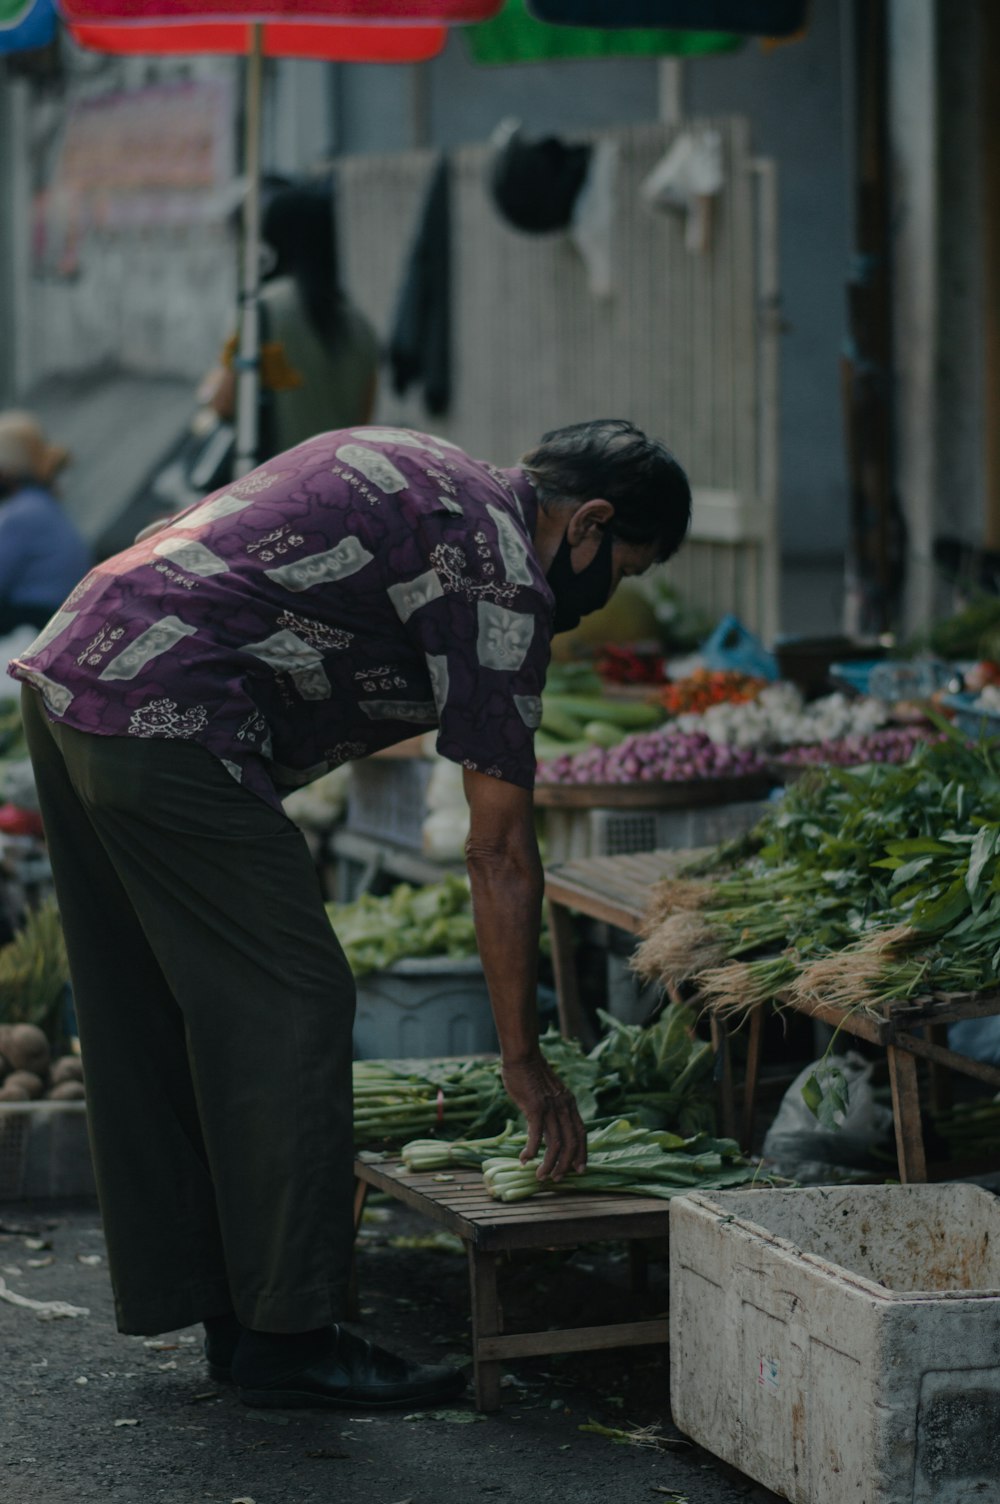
x,y
664,756
893,744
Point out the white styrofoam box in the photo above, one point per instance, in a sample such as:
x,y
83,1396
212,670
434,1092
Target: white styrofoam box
x,y
841,1345
44,1151
573,833
423,1008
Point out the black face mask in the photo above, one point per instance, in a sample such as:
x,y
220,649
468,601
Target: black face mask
x,y
579,594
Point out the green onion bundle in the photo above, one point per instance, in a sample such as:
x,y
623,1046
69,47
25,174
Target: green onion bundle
x,y
865,886
394,1101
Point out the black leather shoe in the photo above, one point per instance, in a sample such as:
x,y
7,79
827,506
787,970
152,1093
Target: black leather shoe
x,y
221,1336
351,1373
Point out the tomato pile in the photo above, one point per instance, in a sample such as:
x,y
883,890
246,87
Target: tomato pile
x,y
707,687
620,665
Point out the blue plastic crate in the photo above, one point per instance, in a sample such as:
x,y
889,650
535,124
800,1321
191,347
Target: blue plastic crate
x,y
854,675
971,718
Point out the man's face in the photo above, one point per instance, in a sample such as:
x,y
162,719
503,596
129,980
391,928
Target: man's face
x,y
631,559
627,559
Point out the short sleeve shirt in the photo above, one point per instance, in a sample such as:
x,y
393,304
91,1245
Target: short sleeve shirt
x,y
357,590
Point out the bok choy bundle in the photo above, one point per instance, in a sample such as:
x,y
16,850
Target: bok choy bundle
x,y
622,1157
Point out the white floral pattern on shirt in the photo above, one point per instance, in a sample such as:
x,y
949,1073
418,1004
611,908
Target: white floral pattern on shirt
x,y
163,718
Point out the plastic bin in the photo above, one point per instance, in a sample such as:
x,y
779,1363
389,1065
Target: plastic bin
x,y
972,719
44,1151
387,799
841,1344
423,1008
573,833
806,661
853,676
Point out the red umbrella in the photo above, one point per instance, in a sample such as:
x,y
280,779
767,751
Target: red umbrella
x,y
398,31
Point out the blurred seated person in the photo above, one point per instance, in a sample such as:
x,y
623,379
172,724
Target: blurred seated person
x,y
42,553
319,354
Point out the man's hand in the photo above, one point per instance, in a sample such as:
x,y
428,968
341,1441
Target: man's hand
x,y
505,873
552,1116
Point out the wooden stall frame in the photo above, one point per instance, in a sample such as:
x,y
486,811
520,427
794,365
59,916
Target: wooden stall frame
x,y
616,890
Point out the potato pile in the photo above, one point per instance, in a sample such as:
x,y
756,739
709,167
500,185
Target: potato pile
x,y
27,1070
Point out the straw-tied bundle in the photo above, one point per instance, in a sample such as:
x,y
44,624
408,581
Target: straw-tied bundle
x,y
864,887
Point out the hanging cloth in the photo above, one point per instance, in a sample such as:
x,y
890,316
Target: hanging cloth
x,y
420,341
515,36
769,18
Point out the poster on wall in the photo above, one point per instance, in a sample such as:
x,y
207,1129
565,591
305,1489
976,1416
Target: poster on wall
x,y
151,158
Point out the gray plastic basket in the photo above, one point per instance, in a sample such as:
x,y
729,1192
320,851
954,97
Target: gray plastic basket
x,y
387,799
574,833
424,1008
44,1151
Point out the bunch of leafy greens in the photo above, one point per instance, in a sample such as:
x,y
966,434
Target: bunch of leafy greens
x,y
865,886
657,1076
408,922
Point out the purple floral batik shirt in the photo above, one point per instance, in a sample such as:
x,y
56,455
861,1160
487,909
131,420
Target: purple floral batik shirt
x,y
366,586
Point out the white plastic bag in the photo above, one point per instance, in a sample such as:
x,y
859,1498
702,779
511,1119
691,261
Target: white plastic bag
x,y
833,1142
687,178
446,826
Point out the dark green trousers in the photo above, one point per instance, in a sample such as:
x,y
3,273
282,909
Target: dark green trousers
x,y
215,1008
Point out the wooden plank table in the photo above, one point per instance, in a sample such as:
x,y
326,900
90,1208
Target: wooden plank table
x,y
490,1229
617,889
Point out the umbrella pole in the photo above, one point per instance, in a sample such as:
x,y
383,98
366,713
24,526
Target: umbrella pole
x,y
248,360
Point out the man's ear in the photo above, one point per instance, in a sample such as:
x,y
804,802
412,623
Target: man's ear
x,y
588,520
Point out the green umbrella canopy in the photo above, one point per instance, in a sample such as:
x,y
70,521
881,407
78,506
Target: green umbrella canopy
x,y
514,36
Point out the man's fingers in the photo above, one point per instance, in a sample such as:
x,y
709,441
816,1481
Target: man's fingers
x,y
553,1147
554,1125
564,1134
580,1145
534,1138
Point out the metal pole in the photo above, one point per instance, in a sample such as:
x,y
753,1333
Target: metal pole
x,y
769,318
248,359
989,174
670,90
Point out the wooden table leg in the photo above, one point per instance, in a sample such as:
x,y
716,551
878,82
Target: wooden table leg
x,y
723,1076
360,1197
573,1023
487,1321
941,1094
755,1040
906,1115
638,1266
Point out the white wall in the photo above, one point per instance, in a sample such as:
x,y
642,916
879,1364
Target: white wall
x,y
792,98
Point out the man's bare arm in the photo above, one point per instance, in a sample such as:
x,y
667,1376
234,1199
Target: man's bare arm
x,y
505,874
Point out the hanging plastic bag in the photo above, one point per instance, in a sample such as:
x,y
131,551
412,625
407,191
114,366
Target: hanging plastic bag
x,y
828,1123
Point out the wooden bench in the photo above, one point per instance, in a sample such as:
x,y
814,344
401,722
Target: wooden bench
x,y
491,1229
616,890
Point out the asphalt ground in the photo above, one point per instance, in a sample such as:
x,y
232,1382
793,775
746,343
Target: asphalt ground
x,y
88,1414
